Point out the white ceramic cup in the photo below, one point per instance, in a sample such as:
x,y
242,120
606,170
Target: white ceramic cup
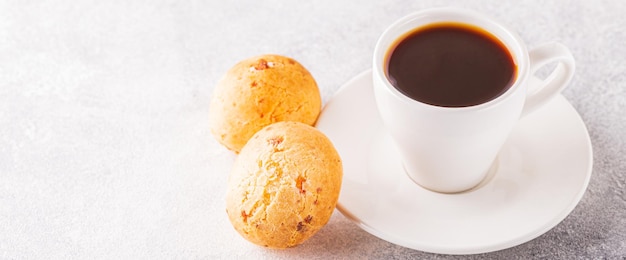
x,y
450,149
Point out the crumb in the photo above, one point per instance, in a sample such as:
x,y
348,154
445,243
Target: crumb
x,y
274,141
262,65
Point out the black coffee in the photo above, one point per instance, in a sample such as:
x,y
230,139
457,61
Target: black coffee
x,y
450,65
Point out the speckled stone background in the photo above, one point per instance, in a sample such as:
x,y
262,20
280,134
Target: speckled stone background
x,y
105,151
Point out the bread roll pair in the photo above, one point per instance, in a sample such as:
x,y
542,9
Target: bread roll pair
x,y
286,180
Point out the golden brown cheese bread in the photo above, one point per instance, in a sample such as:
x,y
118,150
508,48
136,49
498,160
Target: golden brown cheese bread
x,y
284,185
260,91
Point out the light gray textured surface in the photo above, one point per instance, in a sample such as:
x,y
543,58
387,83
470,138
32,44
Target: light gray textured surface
x,y
104,144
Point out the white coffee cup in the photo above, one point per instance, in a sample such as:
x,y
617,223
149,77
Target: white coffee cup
x,y
450,149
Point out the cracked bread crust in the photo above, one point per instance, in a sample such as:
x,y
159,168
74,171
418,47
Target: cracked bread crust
x,y
259,91
284,185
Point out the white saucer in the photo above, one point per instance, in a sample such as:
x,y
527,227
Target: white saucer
x,y
537,180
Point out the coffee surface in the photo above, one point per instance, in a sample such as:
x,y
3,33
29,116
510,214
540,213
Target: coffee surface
x,y
450,65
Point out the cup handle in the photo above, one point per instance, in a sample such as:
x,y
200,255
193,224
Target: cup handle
x,y
541,91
